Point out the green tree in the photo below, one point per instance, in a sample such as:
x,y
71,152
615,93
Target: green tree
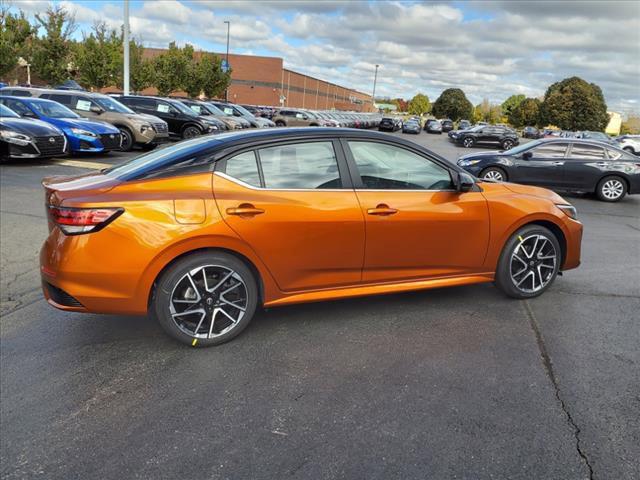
x,y
171,69
453,104
631,126
99,57
527,113
574,104
419,104
511,103
213,80
52,52
16,34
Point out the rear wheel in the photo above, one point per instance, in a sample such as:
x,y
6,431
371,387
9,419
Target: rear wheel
x,y
494,173
529,262
127,139
611,189
629,149
206,298
468,142
280,123
507,144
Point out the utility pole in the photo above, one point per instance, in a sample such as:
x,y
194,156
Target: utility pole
x,y
125,76
226,92
373,95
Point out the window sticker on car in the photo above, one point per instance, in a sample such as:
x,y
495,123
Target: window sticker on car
x,y
196,108
163,108
228,111
83,105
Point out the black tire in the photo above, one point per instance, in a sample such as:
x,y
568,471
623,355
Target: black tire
x,y
280,123
468,142
507,144
492,173
504,279
630,150
170,281
611,189
147,147
191,131
127,139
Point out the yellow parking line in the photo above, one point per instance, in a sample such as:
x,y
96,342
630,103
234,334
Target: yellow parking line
x,y
82,164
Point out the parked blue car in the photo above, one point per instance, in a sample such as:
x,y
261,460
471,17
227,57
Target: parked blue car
x,y
83,135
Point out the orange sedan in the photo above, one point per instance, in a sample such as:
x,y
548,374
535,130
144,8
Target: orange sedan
x,y
203,232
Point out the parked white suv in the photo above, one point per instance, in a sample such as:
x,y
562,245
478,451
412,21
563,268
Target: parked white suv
x,y
630,143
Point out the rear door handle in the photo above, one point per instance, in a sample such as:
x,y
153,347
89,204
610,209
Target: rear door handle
x,y
245,209
601,164
382,209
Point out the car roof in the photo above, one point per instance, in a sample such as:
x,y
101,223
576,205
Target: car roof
x,y
586,141
28,99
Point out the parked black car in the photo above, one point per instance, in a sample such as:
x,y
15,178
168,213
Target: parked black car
x,y
28,138
447,125
487,135
433,126
183,122
562,164
531,132
388,124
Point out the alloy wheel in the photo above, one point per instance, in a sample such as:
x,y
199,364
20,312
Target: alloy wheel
x,y
612,189
507,145
495,175
533,263
208,301
468,142
191,132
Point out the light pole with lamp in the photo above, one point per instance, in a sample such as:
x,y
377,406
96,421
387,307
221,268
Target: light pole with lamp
x,y
375,79
226,69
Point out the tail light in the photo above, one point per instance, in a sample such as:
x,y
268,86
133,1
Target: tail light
x,y
76,221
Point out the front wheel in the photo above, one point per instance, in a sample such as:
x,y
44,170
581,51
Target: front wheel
x,y
611,189
190,132
127,139
206,298
507,144
494,173
529,262
468,142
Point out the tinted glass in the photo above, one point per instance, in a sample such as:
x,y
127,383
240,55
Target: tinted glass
x,y
620,155
244,167
111,105
387,167
213,109
550,150
60,98
19,93
17,106
300,166
183,108
7,112
587,152
53,109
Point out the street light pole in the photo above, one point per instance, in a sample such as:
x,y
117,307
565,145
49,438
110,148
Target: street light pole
x,y
375,79
125,73
226,92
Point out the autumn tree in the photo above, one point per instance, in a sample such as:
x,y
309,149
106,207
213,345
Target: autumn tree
x,y
511,103
52,52
527,113
419,104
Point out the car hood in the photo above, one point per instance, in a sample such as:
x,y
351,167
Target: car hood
x,y
144,117
31,127
530,190
91,125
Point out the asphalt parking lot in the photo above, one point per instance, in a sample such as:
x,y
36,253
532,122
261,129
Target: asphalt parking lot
x,y
451,383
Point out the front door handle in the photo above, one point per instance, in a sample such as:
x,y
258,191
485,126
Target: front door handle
x,y
382,209
601,164
245,209
557,164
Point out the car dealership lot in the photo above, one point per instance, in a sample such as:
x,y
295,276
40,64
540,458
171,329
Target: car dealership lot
x,y
455,383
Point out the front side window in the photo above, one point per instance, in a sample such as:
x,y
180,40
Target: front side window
x,y
387,167
551,150
307,166
244,167
587,152
60,98
18,107
111,105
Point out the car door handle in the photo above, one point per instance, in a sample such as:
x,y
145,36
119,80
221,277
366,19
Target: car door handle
x,y
557,164
245,209
382,209
601,164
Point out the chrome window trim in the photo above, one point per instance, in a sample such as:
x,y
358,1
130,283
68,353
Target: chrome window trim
x,y
252,187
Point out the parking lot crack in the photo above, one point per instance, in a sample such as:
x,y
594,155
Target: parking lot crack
x,y
548,366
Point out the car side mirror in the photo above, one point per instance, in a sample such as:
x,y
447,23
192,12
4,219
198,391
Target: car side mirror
x,y
464,182
527,155
96,109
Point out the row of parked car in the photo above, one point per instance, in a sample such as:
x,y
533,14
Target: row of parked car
x,y
91,122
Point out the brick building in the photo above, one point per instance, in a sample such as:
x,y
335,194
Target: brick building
x,y
264,80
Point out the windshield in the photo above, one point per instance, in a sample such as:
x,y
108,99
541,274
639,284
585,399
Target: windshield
x,y
7,112
183,108
243,111
215,110
111,105
53,109
524,147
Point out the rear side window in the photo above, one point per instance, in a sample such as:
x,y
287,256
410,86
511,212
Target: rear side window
x,y
60,98
244,167
587,152
307,166
17,93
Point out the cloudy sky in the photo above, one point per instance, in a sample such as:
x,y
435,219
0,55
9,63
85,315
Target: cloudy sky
x,y
490,49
